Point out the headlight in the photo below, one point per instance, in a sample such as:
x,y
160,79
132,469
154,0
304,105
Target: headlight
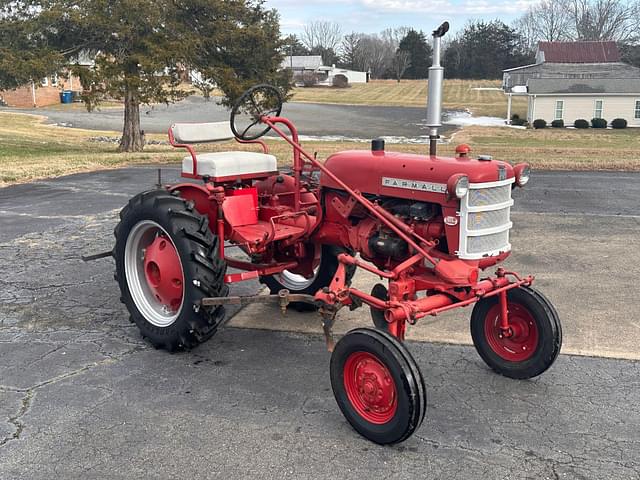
x,y
522,173
457,185
462,187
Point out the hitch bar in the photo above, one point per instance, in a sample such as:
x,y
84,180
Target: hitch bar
x,y
96,256
282,298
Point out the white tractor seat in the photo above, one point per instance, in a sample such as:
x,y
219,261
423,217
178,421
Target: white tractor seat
x,y
231,164
219,164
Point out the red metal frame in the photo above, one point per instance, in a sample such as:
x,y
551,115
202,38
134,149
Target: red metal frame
x,y
448,281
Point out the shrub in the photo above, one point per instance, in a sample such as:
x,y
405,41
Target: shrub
x,y
598,123
309,79
340,81
618,123
516,120
539,123
557,124
581,123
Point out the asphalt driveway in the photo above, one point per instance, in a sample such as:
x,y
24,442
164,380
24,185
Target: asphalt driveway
x,y
81,396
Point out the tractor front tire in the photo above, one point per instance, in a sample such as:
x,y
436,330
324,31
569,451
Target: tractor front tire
x,y
166,262
378,386
535,333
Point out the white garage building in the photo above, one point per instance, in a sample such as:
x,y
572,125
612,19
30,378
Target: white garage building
x,y
302,65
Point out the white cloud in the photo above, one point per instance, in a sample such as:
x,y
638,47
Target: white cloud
x,y
468,7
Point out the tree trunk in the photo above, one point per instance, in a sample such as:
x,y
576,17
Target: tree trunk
x,y
132,137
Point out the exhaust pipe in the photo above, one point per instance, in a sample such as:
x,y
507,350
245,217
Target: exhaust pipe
x,y
434,99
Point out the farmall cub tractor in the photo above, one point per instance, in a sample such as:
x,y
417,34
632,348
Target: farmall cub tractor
x,y
428,226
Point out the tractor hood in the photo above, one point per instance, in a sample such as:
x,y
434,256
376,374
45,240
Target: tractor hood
x,y
407,175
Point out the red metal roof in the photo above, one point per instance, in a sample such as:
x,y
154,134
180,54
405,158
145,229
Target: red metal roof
x,y
579,52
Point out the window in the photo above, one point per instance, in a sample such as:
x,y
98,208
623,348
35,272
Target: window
x,y
637,115
54,80
44,82
597,111
559,110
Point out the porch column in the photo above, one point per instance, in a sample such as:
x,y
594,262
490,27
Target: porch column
x,y
509,95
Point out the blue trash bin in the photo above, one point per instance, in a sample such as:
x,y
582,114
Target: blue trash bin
x,y
66,96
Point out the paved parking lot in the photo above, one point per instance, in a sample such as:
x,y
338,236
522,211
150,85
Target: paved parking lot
x,y
81,396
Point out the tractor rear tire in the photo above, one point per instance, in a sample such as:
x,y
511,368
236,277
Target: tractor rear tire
x,y
166,262
378,386
322,278
535,340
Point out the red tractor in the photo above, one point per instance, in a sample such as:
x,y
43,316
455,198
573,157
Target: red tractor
x,y
430,226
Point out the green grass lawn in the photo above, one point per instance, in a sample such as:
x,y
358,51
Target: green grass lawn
x,y
30,150
457,95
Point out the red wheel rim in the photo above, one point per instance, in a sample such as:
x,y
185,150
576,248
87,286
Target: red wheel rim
x,y
370,388
521,342
163,272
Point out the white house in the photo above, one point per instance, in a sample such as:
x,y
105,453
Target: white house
x,y
303,65
576,80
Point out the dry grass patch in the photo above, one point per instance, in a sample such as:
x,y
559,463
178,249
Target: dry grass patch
x,y
457,95
558,149
30,150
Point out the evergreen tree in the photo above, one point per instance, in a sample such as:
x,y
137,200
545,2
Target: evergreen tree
x,y
483,50
141,47
291,45
415,44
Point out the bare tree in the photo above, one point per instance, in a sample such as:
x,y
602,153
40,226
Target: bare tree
x,y
394,35
527,27
549,20
603,19
350,50
321,35
376,55
401,61
553,20
558,20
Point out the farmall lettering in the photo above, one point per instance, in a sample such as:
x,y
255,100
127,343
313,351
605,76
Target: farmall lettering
x,y
306,231
414,185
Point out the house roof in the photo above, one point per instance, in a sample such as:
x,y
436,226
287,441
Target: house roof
x,y
579,52
577,70
584,85
306,62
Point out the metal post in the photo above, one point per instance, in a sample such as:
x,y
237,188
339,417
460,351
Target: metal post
x,y
434,99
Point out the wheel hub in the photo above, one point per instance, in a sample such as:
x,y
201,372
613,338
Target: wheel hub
x,y
163,273
370,387
520,341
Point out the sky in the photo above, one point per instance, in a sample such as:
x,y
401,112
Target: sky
x,y
370,16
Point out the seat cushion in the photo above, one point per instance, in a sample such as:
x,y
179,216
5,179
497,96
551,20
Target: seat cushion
x,y
231,164
201,132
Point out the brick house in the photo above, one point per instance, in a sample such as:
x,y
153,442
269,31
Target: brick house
x,y
47,90
39,94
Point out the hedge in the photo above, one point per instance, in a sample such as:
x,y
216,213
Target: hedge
x,y
618,123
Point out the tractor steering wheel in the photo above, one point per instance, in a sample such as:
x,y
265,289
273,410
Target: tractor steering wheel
x,y
259,101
